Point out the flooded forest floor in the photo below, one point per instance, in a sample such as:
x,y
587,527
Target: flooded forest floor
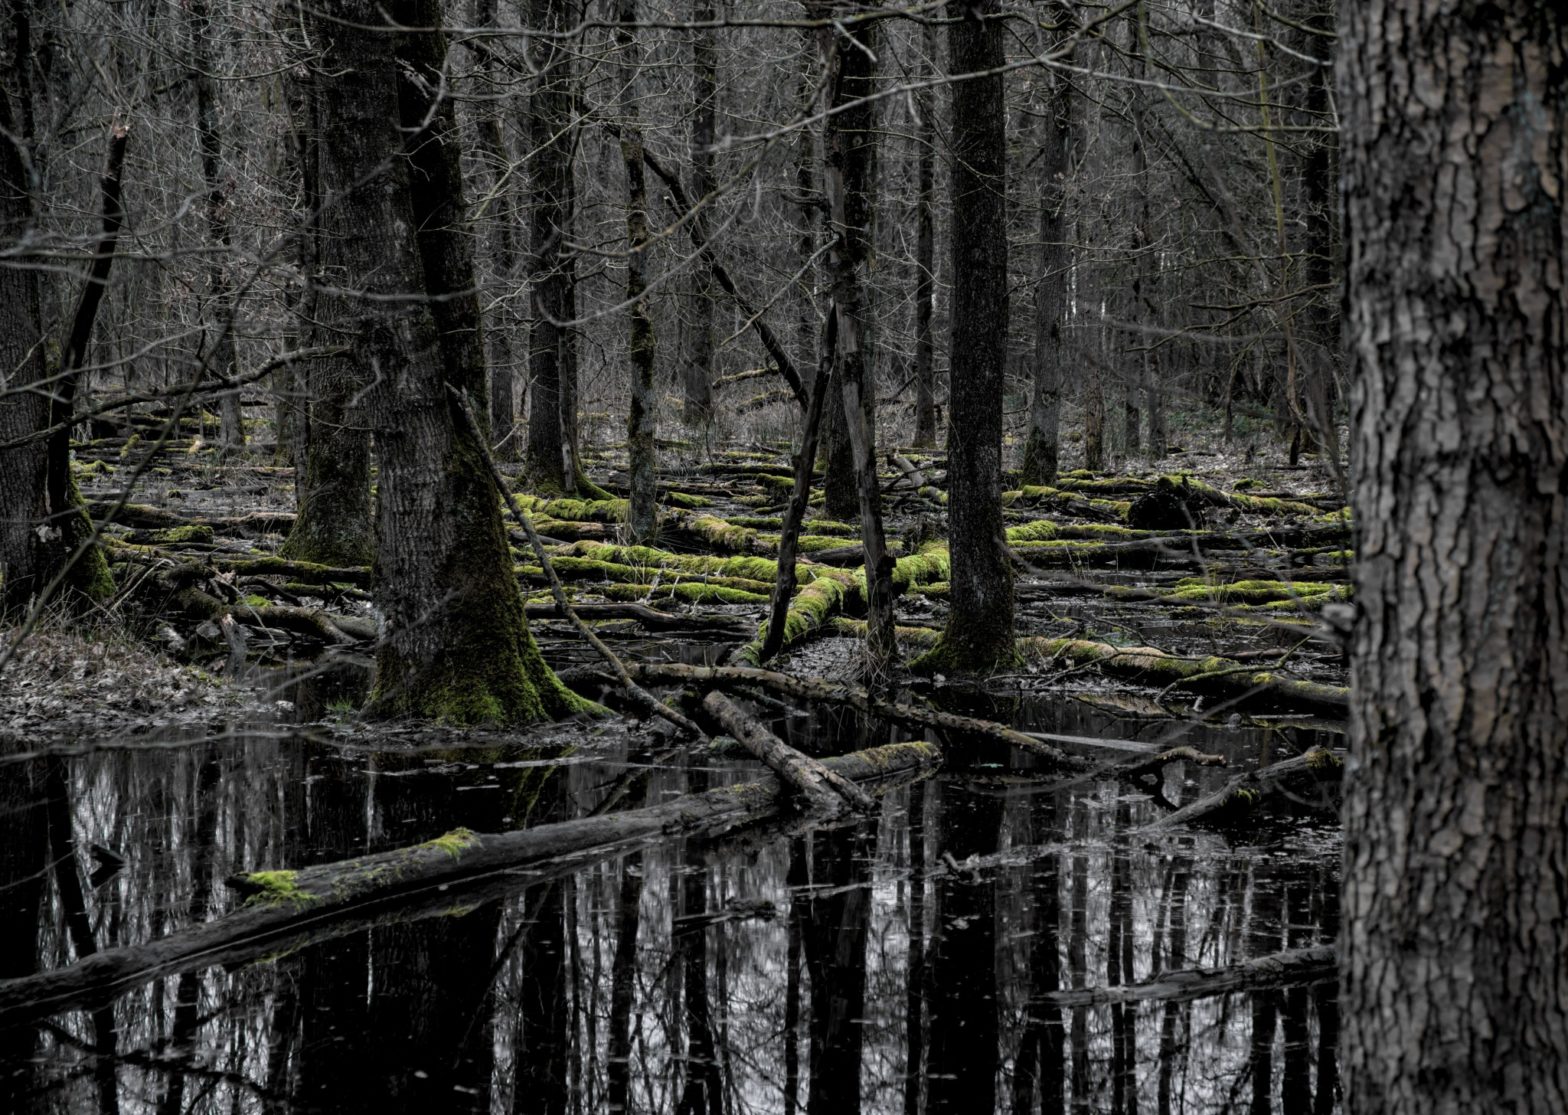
x,y
1109,884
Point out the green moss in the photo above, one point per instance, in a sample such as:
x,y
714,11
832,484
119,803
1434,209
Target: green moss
x,y
718,533
1251,592
273,888
454,843
89,576
577,510
175,536
254,601
685,501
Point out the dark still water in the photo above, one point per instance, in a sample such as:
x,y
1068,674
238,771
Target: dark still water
x,y
906,963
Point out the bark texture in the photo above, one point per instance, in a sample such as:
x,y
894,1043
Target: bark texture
x,y
455,643
1455,154
979,630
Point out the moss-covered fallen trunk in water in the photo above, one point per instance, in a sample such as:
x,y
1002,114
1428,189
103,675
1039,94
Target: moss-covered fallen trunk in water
x,y
281,905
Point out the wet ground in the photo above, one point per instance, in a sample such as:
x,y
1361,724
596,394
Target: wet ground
x,y
903,964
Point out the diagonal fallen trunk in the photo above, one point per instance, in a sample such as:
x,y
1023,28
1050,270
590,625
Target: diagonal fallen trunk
x,y
823,790
282,905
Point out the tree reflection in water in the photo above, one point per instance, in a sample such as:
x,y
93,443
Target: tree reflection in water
x,y
905,963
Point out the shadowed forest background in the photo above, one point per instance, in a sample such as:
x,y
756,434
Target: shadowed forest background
x,y
582,555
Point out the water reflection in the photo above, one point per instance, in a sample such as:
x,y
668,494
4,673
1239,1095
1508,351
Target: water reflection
x,y
904,964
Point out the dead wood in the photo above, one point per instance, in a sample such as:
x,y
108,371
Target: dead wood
x,y
1319,964
283,904
1303,780
824,791
800,498
650,618
855,696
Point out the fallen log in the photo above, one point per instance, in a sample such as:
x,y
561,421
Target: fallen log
x,y
843,693
1319,964
281,904
824,792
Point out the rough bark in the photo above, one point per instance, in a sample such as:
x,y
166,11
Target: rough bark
x,y
45,535
456,644
979,632
1455,166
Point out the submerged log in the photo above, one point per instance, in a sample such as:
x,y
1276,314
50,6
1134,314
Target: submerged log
x,y
1295,967
284,904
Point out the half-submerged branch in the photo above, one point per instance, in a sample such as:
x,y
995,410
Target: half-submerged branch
x,y
1295,967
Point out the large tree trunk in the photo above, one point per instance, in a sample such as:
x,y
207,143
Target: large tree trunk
x,y
1455,159
455,643
549,137
979,632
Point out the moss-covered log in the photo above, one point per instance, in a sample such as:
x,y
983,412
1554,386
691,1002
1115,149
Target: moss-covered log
x,y
834,591
281,905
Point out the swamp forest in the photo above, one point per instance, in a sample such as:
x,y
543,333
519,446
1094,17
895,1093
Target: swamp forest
x,y
733,557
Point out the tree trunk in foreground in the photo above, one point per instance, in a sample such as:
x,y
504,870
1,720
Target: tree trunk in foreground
x,y
455,643
979,632
925,249
1455,154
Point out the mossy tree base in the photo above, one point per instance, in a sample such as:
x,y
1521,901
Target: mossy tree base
x,y
969,652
